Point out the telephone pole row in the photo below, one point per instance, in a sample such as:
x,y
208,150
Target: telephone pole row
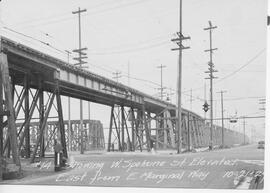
x,y
211,77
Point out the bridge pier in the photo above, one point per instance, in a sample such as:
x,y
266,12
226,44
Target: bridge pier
x,y
187,124
157,133
61,121
121,130
26,115
164,131
132,120
199,125
134,130
195,132
40,136
146,129
24,130
41,116
11,132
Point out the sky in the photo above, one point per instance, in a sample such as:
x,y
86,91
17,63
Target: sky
x,y
134,37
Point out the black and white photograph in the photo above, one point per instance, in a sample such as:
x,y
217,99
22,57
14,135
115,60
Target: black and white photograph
x,y
133,95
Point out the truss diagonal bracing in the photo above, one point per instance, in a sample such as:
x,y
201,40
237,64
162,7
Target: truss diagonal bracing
x,y
31,115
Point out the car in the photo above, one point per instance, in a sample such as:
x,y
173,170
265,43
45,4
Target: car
x,y
261,145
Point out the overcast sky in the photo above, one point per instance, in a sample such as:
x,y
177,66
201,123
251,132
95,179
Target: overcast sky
x,y
137,33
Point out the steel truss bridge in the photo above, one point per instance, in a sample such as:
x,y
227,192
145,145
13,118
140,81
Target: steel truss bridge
x,y
93,135
33,83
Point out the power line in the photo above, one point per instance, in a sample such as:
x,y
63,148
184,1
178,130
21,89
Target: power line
x,y
241,117
49,22
132,49
110,71
243,66
30,37
259,112
234,72
89,13
44,18
151,40
241,98
119,6
144,80
97,66
14,31
138,79
101,68
47,44
61,14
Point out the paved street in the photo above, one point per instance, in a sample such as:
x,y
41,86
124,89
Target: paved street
x,y
222,169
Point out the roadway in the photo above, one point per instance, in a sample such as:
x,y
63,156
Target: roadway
x,y
234,168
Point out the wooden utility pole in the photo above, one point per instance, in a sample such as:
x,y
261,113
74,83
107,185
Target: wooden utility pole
x,y
205,99
161,80
69,123
82,56
211,77
178,41
117,75
222,117
89,112
128,74
191,99
244,128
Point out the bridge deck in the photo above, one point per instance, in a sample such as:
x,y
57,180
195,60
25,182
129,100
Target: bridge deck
x,y
75,82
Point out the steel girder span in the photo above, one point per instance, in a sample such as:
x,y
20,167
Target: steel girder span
x,y
137,121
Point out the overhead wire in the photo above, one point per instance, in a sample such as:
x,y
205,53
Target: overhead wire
x,y
121,51
242,98
139,79
151,40
87,14
241,67
143,80
35,39
61,14
47,44
132,49
14,31
234,72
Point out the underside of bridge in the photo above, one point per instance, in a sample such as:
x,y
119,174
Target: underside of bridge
x,y
32,83
134,129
